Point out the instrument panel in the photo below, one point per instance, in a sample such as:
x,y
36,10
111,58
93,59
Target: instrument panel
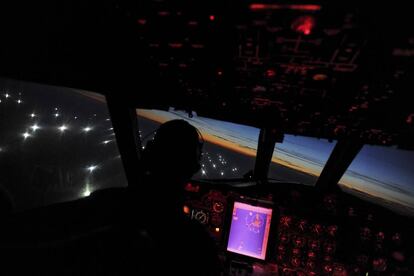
x,y
330,234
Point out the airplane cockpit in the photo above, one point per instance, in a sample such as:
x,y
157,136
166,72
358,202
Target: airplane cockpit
x,y
303,108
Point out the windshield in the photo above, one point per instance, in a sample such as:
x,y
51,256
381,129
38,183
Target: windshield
x,y
56,144
383,175
229,149
300,159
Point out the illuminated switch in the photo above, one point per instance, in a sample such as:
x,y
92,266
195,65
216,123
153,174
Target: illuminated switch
x,y
311,255
339,270
284,239
285,221
302,225
379,264
280,258
396,239
380,236
332,230
329,248
299,242
295,262
327,268
296,252
365,234
314,245
310,265
317,229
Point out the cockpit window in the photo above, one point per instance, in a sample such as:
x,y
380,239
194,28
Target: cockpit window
x,y
229,149
300,159
383,175
56,144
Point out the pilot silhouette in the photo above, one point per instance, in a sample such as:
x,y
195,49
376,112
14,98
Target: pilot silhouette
x,y
169,161
174,152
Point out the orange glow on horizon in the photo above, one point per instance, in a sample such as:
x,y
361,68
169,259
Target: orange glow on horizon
x,y
148,114
302,169
159,118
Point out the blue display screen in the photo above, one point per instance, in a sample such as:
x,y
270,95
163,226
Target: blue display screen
x,y
249,230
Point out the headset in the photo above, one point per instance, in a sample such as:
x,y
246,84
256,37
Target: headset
x,y
156,148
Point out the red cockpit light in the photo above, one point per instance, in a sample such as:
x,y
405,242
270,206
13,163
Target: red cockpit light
x,y
270,73
303,25
189,187
261,7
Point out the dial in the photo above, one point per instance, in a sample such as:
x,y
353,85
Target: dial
x,y
218,207
200,215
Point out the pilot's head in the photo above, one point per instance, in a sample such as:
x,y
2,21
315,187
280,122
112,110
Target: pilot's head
x,y
175,151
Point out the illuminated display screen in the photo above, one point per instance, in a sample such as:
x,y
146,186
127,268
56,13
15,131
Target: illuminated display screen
x,y
249,230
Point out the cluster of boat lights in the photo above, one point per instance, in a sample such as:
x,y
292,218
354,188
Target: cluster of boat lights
x,y
219,165
8,96
30,133
61,128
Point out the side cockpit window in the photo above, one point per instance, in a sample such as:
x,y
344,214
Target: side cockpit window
x,y
56,144
383,175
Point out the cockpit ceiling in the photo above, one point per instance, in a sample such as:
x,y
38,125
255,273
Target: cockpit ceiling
x,y
308,69
313,68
